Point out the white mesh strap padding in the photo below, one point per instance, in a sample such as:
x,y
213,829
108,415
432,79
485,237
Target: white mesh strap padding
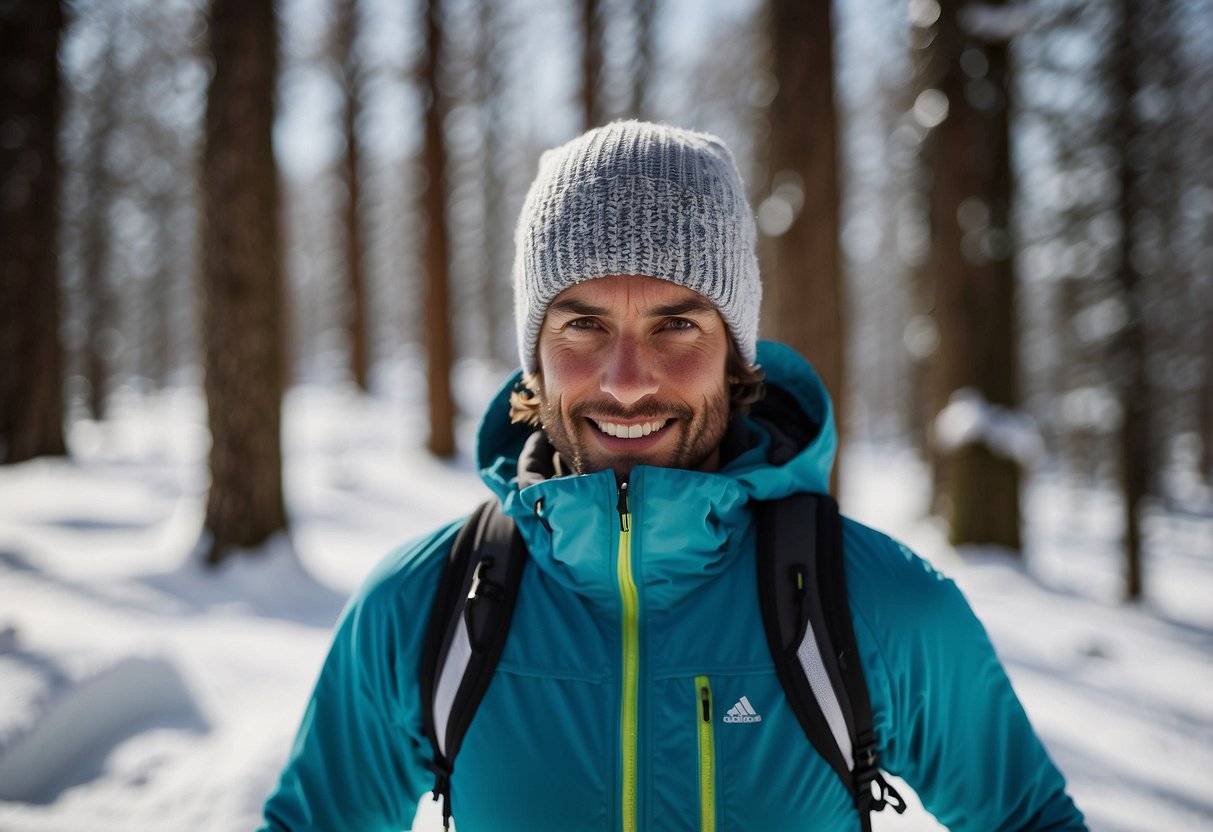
x,y
449,679
819,681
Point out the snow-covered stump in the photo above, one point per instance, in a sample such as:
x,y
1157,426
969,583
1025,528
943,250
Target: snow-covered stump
x,y
987,448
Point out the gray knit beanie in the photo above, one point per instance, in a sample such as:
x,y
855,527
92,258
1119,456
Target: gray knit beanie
x,y
640,199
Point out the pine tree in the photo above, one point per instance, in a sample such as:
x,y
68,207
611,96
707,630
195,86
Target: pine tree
x,y
804,288
972,269
350,80
441,441
592,59
242,282
1130,357
31,393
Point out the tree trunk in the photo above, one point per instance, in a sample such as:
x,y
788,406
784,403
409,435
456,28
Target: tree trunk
x,y
242,282
160,356
495,242
921,328
31,385
591,63
99,196
974,276
1130,358
805,291
350,75
437,253
642,68
951,146
1204,406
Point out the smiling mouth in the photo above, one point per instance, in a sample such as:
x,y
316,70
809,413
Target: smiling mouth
x,y
636,431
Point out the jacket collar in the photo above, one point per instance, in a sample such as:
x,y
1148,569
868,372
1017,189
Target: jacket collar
x,y
683,527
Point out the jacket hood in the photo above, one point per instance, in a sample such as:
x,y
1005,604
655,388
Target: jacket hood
x,y
790,437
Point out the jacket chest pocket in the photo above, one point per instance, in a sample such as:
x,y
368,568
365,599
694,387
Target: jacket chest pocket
x,y
739,760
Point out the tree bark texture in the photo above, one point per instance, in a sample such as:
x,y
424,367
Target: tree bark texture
x,y
31,383
973,273
591,63
1204,407
242,282
804,288
437,253
350,75
645,12
496,244
1130,358
160,356
101,191
920,287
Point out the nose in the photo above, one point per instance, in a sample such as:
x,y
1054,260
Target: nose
x,y
630,371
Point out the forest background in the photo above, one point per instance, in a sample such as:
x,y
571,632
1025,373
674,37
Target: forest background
x,y
987,224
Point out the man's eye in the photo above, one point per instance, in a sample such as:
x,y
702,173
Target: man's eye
x,y
583,324
680,324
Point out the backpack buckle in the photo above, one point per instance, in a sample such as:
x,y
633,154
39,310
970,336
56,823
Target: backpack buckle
x,y
866,756
872,791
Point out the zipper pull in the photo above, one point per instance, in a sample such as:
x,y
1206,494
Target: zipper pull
x,y
543,521
622,506
705,699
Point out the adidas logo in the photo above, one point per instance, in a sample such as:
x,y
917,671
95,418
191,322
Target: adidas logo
x,y
743,711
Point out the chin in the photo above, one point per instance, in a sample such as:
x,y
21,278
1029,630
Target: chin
x,y
624,467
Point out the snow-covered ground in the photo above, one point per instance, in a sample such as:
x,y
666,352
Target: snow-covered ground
x,y
138,692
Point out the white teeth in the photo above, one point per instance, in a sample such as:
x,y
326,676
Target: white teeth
x,y
629,431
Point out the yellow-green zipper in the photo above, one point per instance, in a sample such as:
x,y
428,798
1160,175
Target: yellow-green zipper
x,y
631,661
707,756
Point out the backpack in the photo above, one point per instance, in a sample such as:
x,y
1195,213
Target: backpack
x,y
805,612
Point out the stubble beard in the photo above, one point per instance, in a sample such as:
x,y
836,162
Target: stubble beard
x,y
700,433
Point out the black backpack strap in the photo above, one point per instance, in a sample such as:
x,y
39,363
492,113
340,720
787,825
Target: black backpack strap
x,y
807,617
466,634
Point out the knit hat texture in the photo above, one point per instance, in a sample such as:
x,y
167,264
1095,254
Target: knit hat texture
x,y
634,198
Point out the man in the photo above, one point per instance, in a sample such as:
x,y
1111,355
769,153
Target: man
x,y
628,463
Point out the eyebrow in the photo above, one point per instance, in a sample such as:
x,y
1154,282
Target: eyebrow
x,y
691,306
572,306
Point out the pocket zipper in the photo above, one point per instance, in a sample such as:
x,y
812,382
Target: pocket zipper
x,y
707,756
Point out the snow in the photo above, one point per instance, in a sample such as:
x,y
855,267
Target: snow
x,y
92,714
969,419
139,691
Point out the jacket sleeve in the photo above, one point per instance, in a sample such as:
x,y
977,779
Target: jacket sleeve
x,y
360,759
948,721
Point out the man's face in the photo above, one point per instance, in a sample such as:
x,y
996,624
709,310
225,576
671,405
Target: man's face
x,y
633,373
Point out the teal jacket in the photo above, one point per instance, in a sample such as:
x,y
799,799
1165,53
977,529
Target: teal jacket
x,y
593,719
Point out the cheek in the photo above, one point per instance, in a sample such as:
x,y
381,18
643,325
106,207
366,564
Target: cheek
x,y
566,374
695,370
690,365
567,366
